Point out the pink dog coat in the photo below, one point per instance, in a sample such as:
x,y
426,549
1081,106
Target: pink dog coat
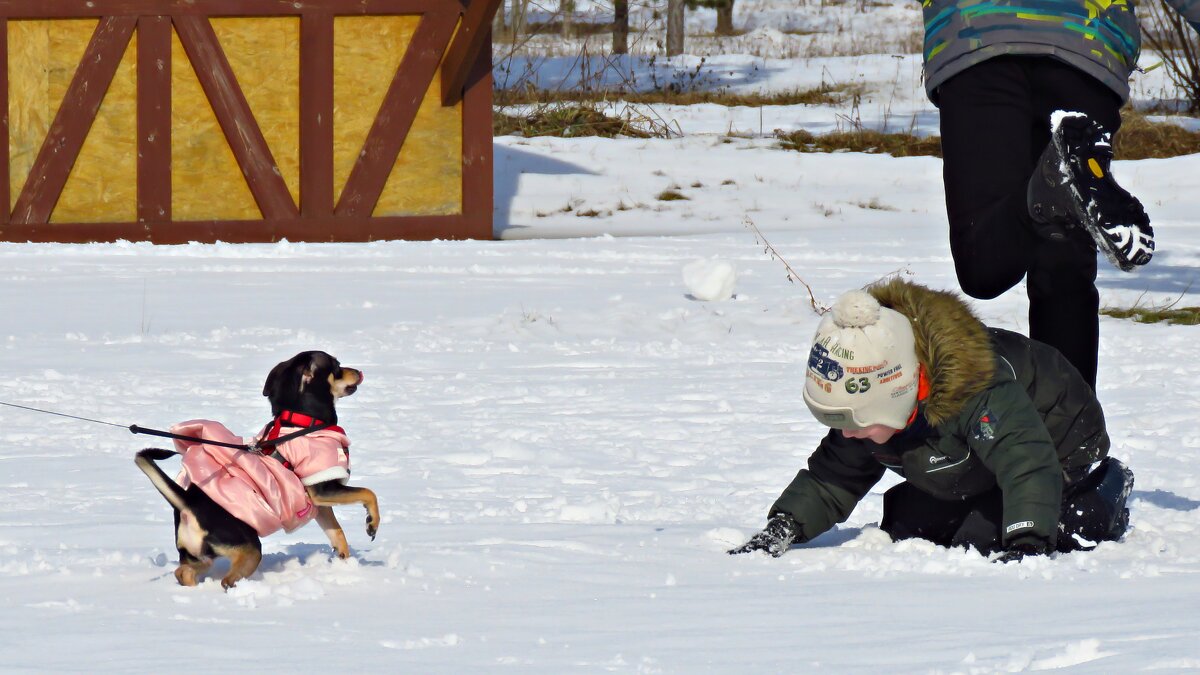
x,y
260,490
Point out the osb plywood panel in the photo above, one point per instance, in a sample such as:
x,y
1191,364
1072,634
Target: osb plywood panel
x,y
427,178
265,56
42,58
102,186
207,182
366,53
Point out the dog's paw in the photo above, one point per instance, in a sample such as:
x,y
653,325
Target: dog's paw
x,y
186,576
372,526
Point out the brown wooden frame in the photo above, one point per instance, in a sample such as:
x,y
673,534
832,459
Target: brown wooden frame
x,y
463,56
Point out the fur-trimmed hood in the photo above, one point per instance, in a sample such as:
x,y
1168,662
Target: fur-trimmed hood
x,y
952,344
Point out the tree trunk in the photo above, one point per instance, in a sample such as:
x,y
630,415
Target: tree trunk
x,y
620,27
499,27
567,9
517,24
674,27
725,18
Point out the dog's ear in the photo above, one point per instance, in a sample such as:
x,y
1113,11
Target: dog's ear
x,y
291,375
318,362
275,379
307,374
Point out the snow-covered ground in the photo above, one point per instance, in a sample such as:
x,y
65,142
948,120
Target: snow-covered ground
x,y
563,441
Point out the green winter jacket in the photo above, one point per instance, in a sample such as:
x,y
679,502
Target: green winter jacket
x,y
1001,409
1100,37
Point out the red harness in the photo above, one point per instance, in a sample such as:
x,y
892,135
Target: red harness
x,y
288,418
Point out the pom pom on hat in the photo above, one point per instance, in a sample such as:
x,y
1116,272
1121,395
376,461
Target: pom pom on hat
x,y
856,309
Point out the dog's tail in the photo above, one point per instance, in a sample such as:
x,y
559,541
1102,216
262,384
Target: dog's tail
x,y
170,489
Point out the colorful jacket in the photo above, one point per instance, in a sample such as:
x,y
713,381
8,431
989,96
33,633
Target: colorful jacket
x,y
1100,37
1001,410
256,489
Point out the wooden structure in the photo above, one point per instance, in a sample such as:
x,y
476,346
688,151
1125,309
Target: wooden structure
x,y
245,120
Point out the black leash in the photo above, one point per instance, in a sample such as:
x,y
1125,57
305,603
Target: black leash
x,y
135,429
253,447
51,412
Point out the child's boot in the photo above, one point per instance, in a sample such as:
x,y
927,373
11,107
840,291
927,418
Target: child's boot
x,y
1073,187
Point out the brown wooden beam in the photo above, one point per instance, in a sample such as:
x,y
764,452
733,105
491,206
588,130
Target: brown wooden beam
x,y
154,118
237,120
477,185
413,78
74,120
5,176
328,229
474,33
316,115
68,9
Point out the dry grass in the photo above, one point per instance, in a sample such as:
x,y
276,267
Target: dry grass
x,y
565,121
582,113
671,195
1140,138
875,205
826,94
1164,312
799,31
862,140
1184,316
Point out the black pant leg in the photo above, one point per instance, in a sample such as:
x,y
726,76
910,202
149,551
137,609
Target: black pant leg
x,y
995,121
909,513
980,530
987,125
1064,304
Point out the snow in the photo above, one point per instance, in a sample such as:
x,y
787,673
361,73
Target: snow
x,y
564,443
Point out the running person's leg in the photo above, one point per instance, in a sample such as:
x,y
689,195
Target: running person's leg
x,y
988,124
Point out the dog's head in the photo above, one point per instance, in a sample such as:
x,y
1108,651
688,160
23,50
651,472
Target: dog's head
x,y
309,383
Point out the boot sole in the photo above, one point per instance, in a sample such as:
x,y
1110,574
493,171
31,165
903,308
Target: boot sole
x,y
1086,215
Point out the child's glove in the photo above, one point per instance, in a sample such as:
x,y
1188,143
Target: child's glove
x,y
776,537
1021,547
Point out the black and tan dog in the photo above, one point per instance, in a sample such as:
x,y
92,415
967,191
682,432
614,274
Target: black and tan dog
x,y
302,392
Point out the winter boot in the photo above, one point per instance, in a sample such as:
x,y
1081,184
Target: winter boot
x,y
1094,509
1072,187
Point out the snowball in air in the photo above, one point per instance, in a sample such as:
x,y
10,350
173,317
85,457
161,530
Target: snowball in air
x,y
710,280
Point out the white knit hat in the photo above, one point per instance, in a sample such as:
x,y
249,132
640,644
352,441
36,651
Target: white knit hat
x,y
863,368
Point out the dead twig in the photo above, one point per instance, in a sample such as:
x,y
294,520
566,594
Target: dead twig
x,y
792,276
